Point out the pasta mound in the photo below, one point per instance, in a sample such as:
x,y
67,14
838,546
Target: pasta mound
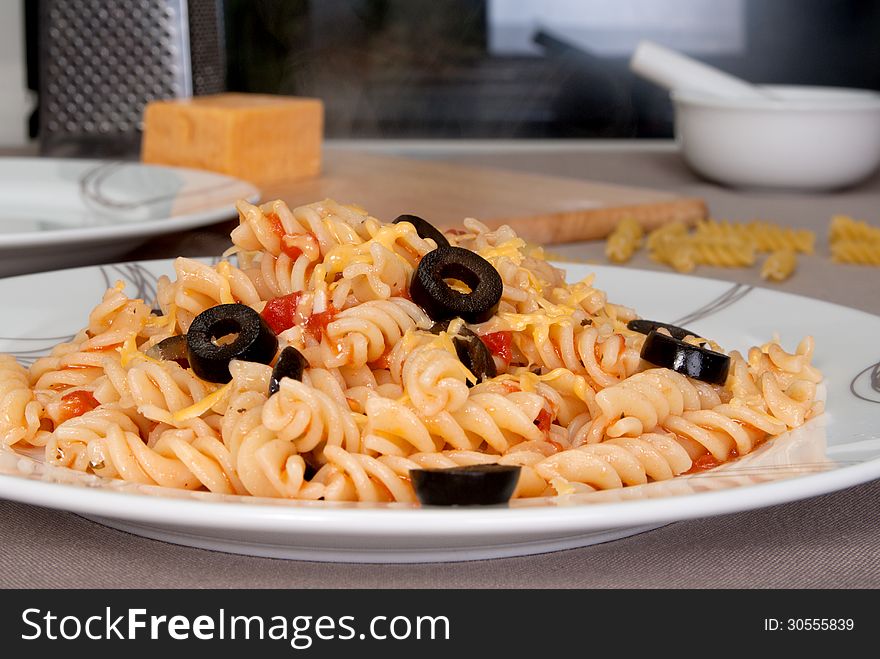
x,y
572,403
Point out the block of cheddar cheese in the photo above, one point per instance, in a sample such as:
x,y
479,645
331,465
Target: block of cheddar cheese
x,y
254,137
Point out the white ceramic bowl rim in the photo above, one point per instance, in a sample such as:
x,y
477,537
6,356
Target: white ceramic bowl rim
x,y
791,98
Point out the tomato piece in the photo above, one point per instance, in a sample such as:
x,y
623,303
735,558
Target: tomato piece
x,y
383,361
704,463
500,344
292,251
544,420
75,404
279,312
317,322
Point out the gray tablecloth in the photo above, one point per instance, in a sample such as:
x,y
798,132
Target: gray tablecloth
x,y
830,541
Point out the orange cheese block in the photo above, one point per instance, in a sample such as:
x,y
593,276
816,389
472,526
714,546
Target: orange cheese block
x,y
253,137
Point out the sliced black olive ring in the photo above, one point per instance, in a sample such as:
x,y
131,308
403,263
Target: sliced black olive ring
x,y
255,342
471,351
474,485
171,349
690,360
440,301
425,229
290,364
643,326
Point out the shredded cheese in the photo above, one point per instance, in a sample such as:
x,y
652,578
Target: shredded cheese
x,y
128,352
199,408
343,255
511,249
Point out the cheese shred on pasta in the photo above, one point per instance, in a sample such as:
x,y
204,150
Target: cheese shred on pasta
x,y
572,402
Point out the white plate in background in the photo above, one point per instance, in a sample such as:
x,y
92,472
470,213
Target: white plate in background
x,y
836,450
56,213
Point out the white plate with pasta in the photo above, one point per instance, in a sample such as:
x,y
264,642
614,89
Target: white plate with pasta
x,y
319,462
101,208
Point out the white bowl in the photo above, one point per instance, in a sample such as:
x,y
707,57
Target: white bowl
x,y
807,138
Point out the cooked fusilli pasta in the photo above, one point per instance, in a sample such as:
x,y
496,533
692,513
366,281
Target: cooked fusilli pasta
x,y
382,389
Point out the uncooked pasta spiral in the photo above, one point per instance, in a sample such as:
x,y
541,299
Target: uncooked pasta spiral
x,y
723,253
845,228
623,242
764,236
856,251
779,265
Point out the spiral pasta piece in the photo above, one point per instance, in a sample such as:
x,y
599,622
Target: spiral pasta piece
x,y
20,411
856,252
624,240
779,265
844,229
764,236
200,286
364,333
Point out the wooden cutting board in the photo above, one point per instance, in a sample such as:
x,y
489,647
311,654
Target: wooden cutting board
x,y
542,209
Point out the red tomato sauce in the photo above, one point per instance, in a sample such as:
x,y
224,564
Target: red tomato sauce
x,y
278,228
275,223
500,344
709,461
75,404
317,323
279,312
543,421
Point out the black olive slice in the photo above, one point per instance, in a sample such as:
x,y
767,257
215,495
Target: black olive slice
x,y
290,364
692,361
425,229
643,326
440,301
255,342
474,485
471,351
171,349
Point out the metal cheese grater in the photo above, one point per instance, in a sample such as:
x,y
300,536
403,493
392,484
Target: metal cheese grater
x,y
101,62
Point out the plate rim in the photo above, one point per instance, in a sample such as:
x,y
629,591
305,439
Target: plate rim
x,y
121,231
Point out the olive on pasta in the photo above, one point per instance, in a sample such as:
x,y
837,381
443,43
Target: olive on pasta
x,y
471,351
171,349
251,340
643,326
430,290
424,229
290,364
472,485
690,360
